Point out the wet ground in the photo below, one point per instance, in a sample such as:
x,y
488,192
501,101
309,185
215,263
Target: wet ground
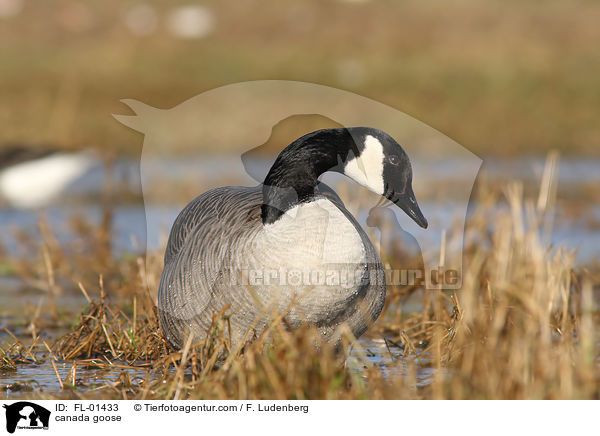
x,y
41,378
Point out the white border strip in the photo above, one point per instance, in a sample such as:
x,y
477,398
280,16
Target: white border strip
x,y
319,417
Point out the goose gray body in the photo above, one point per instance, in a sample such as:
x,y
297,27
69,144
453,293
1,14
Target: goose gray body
x,y
288,247
205,262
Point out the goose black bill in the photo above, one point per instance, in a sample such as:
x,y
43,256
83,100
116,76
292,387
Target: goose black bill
x,y
408,203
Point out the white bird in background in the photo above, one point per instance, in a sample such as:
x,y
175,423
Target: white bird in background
x,y
32,178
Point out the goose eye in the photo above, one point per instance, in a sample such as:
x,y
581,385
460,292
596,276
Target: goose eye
x,y
393,159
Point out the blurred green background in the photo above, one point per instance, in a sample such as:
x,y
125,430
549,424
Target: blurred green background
x,y
499,77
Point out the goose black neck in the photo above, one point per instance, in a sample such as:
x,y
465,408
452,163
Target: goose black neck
x,y
294,176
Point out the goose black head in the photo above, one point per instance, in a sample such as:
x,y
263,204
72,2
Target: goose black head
x,y
380,164
369,156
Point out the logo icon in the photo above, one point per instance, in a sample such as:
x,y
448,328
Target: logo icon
x,y
26,415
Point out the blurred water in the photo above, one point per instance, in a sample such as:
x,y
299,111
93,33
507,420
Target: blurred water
x,y
129,219
129,229
41,378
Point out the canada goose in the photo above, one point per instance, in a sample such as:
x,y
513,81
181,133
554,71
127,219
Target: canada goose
x,y
288,246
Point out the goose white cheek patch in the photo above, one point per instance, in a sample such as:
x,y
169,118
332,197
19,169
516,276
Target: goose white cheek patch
x,y
367,169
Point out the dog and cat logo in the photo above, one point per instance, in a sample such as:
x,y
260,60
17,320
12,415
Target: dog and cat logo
x,y
26,415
